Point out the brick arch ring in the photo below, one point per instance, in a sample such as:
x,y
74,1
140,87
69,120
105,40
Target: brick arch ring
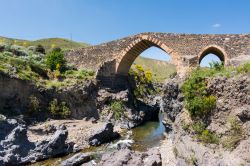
x,y
133,50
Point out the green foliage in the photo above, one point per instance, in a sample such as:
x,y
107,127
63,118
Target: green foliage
x,y
59,109
143,81
161,69
216,65
40,49
203,134
199,102
118,109
245,68
198,127
55,58
236,133
34,104
208,137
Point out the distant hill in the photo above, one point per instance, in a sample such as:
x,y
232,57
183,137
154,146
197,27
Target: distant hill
x,y
47,43
160,69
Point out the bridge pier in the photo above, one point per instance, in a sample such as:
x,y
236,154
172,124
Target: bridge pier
x,y
115,82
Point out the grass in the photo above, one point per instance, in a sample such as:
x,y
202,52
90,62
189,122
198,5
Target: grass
x,y
118,109
236,133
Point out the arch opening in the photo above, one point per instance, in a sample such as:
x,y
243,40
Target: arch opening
x,y
210,55
144,48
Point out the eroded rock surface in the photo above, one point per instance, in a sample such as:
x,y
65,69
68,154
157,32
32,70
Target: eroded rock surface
x,y
103,135
132,158
16,149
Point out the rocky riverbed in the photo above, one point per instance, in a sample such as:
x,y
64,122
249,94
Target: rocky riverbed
x,y
93,141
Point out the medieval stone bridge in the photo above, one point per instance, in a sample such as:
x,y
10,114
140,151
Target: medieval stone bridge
x,y
113,59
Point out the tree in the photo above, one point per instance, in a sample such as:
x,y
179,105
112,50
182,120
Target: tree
x,y
56,59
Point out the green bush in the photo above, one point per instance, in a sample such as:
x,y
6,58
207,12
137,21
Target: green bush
x,y
142,80
199,102
198,127
56,58
34,104
59,109
208,137
216,65
118,109
236,133
245,68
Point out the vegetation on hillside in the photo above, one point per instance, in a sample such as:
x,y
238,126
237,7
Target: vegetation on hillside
x,y
199,103
141,81
161,70
48,44
33,65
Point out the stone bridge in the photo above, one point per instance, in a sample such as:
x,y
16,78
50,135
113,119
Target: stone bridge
x,y
113,59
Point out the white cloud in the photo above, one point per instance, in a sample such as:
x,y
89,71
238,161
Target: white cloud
x,y
216,25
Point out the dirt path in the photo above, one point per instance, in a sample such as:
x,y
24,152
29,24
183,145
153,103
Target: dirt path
x,y
167,155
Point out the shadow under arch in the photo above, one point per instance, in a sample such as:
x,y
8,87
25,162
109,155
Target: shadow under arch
x,y
213,49
129,55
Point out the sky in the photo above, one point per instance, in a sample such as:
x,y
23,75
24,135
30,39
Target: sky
x,y
98,21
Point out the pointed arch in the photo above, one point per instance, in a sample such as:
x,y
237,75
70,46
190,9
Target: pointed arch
x,y
130,53
216,50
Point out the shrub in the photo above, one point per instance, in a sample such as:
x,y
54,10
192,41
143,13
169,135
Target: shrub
x,y
40,49
118,109
208,137
245,68
54,107
198,101
54,58
216,65
198,127
59,109
65,110
34,104
142,80
236,133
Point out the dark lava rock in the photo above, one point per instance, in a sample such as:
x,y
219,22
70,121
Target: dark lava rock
x,y
6,126
16,149
172,100
103,135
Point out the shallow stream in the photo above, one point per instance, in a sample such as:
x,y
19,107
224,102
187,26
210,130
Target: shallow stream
x,y
146,136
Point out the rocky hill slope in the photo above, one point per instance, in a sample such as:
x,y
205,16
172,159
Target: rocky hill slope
x,y
218,137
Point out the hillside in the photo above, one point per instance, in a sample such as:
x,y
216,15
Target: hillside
x,y
48,43
160,69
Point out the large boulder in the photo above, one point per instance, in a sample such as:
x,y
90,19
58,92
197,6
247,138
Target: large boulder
x,y
77,159
103,135
16,149
6,126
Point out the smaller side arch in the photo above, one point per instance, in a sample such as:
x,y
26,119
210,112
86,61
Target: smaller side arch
x,y
216,50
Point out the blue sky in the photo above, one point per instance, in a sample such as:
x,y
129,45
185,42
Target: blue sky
x,y
97,21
